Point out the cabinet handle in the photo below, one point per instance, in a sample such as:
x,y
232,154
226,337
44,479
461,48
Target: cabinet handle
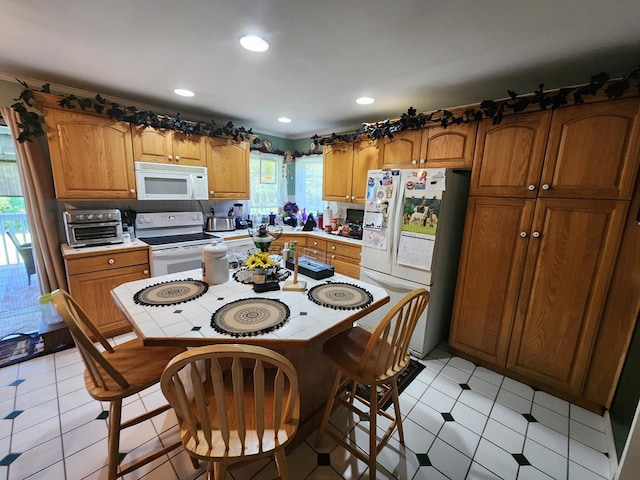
x,y
177,158
111,261
532,187
170,157
536,234
546,186
523,234
414,162
146,272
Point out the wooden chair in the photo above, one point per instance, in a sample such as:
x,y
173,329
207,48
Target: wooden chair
x,y
234,403
25,251
374,360
116,373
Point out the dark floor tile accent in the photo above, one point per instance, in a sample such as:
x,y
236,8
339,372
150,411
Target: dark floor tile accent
x,y
17,382
324,460
464,386
8,459
12,415
177,311
121,456
220,298
363,418
529,417
423,459
448,417
521,459
303,313
103,415
196,329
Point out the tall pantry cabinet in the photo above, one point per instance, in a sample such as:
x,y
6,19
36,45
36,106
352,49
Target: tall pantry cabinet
x,y
548,199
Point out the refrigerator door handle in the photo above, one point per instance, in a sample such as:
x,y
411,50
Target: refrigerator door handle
x,y
386,282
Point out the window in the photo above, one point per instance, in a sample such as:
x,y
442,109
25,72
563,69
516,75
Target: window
x,y
309,183
268,185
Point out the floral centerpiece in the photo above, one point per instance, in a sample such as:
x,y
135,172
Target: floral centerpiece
x,y
290,214
262,266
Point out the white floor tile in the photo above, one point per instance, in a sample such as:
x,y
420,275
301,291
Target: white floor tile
x,y
35,435
416,438
36,459
508,417
589,436
551,419
415,389
519,388
587,418
483,387
36,397
589,458
437,400
87,461
462,364
458,376
578,472
81,415
513,401
55,471
446,386
460,438
87,434
451,462
488,376
468,417
552,403
36,415
549,438
476,401
529,472
546,460
496,460
503,436
428,473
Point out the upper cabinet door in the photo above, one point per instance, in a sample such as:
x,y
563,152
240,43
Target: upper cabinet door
x,y
189,149
91,156
450,147
366,156
508,156
402,151
151,145
593,151
337,171
227,168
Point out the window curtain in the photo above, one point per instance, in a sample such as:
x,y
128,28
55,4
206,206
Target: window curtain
x,y
309,183
40,201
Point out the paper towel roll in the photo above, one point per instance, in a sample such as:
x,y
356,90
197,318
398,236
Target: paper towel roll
x,y
327,216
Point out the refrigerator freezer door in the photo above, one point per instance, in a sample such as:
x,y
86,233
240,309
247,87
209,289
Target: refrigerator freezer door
x,y
425,337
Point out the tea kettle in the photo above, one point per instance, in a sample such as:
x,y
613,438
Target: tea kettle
x,y
209,222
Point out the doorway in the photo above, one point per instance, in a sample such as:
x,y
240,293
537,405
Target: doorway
x,y
19,286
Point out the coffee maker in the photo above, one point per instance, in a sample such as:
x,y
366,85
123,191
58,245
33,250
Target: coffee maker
x,y
238,213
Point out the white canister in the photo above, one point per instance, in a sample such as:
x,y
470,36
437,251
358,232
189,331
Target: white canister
x,y
215,263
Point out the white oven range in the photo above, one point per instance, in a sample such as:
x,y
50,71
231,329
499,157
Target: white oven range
x,y
176,240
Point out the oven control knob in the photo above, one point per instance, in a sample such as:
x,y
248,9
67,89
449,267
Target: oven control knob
x,y
79,217
99,216
90,216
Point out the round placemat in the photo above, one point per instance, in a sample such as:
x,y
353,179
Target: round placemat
x,y
171,292
340,296
250,316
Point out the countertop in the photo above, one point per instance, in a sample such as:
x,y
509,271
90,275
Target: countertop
x,y
68,251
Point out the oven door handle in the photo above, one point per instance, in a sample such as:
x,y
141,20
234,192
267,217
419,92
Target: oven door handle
x,y
177,252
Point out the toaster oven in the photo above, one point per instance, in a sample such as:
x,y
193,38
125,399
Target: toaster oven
x,y
85,228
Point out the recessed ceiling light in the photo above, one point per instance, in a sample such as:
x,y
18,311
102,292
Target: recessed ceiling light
x,y
183,92
365,100
284,120
254,43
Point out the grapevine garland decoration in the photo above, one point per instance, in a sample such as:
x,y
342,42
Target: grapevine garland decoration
x,y
495,110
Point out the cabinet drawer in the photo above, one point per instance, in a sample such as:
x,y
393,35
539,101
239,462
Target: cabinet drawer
x,y
316,244
106,261
345,250
344,265
301,239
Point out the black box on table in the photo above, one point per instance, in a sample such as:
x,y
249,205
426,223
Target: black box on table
x,y
312,268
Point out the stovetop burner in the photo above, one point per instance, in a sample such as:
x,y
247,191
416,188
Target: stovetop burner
x,y
187,237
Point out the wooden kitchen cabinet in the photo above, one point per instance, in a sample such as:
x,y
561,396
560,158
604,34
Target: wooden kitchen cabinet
x,y
549,199
92,276
344,172
91,156
431,147
168,146
288,238
228,168
345,257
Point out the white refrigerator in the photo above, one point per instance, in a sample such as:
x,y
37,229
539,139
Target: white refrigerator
x,y
412,235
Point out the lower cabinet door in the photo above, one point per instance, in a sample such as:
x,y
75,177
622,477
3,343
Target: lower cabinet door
x,y
93,292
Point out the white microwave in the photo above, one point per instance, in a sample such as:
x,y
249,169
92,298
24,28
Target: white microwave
x,y
164,181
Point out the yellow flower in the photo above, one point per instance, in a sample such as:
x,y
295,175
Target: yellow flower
x,y
260,260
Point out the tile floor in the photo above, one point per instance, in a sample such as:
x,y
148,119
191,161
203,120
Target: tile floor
x,y
461,421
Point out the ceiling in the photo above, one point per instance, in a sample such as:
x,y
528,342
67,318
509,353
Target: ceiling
x,y
406,53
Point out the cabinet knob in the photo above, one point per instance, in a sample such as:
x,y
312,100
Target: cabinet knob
x,y
177,158
414,162
333,256
133,190
536,234
146,272
347,197
315,243
333,247
170,157
532,187
111,261
353,198
523,234
546,186
210,192
422,161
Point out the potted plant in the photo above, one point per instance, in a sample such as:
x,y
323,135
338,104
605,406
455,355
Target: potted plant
x,y
290,214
